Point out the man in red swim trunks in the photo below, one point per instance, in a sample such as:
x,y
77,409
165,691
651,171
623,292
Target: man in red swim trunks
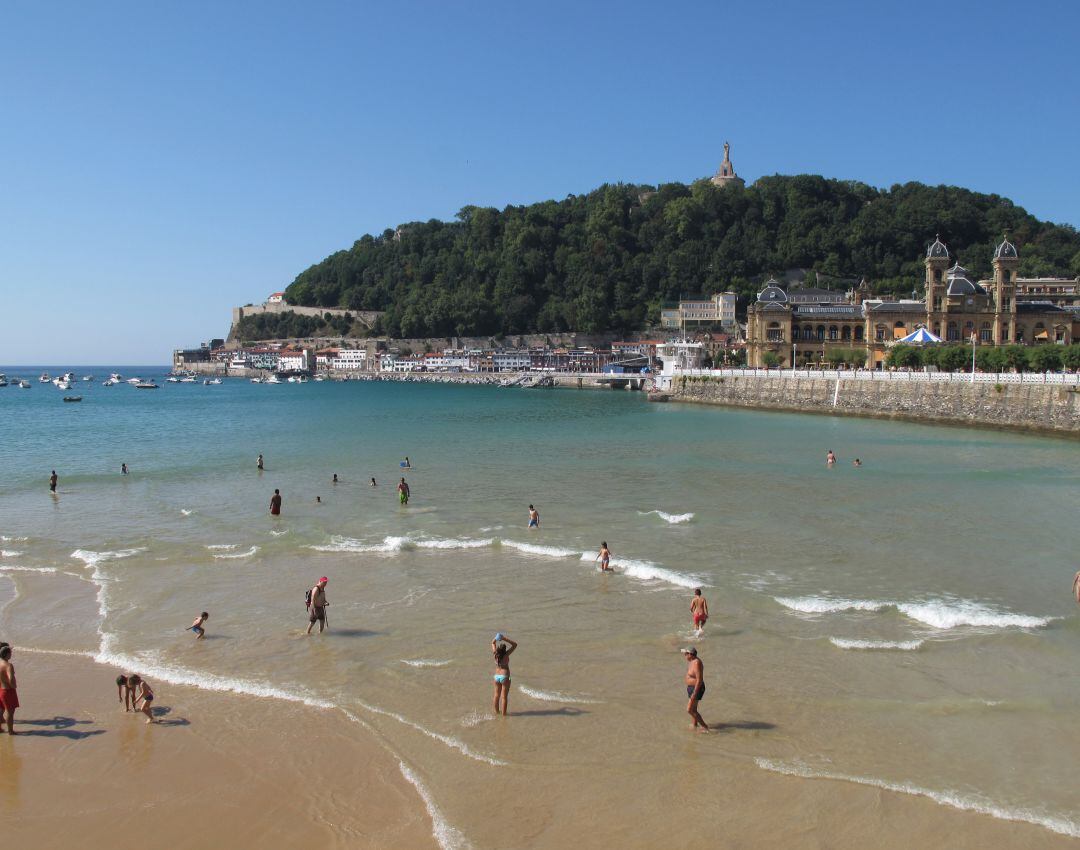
x,y
699,610
9,696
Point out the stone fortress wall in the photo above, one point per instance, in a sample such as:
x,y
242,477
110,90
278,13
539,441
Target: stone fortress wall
x,y
1043,407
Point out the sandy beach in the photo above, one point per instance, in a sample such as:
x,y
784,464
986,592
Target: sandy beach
x,y
217,770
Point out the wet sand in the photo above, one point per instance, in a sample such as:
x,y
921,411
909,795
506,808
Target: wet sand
x,y
218,770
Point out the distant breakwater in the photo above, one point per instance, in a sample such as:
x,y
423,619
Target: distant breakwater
x,y
1052,408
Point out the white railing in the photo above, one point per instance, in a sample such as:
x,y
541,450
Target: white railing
x,y
1067,378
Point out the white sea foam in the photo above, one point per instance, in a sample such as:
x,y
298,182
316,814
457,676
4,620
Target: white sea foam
x,y
73,653
475,718
339,543
278,533
6,539
423,662
845,643
555,696
940,614
9,553
456,543
948,615
449,741
648,571
537,549
12,568
92,559
222,546
246,554
823,605
968,803
448,837
673,519
185,511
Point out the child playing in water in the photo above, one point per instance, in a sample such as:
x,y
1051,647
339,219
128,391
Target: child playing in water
x,y
197,626
604,557
144,694
124,693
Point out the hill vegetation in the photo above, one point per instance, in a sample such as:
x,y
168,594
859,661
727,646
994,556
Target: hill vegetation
x,y
606,261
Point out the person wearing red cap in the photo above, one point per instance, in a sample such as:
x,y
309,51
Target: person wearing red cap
x,y
317,605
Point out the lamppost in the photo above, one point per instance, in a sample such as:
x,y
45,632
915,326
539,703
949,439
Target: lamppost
x,y
973,338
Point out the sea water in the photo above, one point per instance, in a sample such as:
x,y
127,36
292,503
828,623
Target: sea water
x,y
907,624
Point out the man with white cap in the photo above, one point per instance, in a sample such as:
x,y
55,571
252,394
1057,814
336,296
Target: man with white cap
x,y
317,605
695,685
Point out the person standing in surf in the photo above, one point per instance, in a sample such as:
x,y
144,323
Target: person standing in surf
x,y
403,492
699,611
9,694
317,605
52,482
1076,587
534,517
275,503
604,557
501,653
695,686
123,469
830,458
259,463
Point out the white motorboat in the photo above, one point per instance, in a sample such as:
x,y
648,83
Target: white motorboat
x,y
134,380
61,384
88,377
172,379
3,380
44,379
146,385
116,377
256,380
24,384
190,379
213,382
272,379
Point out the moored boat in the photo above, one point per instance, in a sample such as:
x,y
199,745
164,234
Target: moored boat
x,y
145,385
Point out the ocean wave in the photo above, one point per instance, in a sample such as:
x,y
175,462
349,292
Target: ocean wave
x,y
12,568
277,533
454,543
648,571
555,696
940,614
967,803
845,643
221,546
339,543
423,662
6,539
823,605
948,615
9,553
92,559
246,554
673,519
447,836
537,549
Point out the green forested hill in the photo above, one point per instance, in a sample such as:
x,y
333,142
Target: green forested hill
x,y
608,259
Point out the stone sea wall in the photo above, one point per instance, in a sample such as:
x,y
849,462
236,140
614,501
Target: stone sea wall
x,y
1025,406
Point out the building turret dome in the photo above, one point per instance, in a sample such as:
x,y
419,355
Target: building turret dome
x,y
1005,249
937,248
772,292
959,283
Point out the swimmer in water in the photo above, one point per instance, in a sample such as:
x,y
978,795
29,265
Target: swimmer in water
x,y
52,482
259,462
334,481
856,462
830,458
197,626
407,464
123,469
318,500
501,653
403,492
373,484
275,503
603,557
534,517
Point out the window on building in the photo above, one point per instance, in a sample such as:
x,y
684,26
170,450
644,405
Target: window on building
x,y
952,334
774,333
1021,332
879,333
858,334
821,332
937,275
1059,334
985,334
834,332
845,333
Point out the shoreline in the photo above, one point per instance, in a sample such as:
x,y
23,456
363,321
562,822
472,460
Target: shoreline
x,y
211,758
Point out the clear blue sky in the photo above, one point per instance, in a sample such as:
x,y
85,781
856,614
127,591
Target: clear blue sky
x,y
160,163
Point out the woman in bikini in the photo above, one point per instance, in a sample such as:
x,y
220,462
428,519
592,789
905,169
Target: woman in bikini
x,y
604,557
501,652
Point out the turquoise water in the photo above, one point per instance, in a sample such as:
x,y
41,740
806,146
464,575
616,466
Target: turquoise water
x,y
908,623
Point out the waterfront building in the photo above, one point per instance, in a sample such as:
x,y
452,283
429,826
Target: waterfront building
x,y
349,360
802,327
716,310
